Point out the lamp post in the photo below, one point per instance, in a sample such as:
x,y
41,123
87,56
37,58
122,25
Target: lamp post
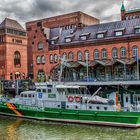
x,y
87,64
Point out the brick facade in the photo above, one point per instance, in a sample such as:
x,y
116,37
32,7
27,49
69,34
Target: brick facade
x,y
13,49
43,33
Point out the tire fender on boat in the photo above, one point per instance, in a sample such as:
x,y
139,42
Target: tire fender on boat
x,y
70,99
77,98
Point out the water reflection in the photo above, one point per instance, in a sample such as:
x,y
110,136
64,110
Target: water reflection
x,y
12,129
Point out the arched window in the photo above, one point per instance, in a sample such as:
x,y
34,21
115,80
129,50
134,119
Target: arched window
x,y
17,59
71,56
51,58
79,55
43,59
55,58
114,53
86,55
38,59
64,56
96,54
40,46
104,54
134,51
123,52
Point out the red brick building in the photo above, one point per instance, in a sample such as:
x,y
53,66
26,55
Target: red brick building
x,y
108,49
13,50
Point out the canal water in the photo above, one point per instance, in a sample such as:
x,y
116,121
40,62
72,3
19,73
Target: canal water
x,y
19,129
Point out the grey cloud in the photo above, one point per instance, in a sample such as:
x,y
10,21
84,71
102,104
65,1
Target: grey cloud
x,y
28,10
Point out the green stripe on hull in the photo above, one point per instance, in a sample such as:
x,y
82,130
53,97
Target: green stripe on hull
x,y
76,115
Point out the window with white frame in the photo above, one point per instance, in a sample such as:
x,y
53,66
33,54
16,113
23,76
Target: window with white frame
x,y
123,52
71,56
51,58
38,59
96,54
134,51
118,33
43,59
79,54
40,46
137,30
100,35
68,40
114,53
55,58
64,56
86,55
104,54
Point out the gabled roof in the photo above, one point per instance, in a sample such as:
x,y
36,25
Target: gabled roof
x,y
10,23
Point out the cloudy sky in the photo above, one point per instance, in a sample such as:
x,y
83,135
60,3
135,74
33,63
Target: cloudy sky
x,y
27,10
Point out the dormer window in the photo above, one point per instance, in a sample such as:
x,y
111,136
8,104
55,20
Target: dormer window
x,y
84,36
119,32
101,34
137,29
69,38
54,40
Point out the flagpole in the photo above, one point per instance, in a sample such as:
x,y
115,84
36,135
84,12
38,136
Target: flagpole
x,y
137,65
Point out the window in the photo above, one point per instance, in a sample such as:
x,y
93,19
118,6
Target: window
x,y
114,53
68,40
64,56
39,24
86,55
79,54
43,59
71,56
134,51
40,46
38,59
104,54
49,90
52,42
17,60
137,30
118,33
51,58
55,58
96,54
123,52
84,37
101,35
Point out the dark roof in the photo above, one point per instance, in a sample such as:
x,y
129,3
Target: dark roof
x,y
128,25
10,23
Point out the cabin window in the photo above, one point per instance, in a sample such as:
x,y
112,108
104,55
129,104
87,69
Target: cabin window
x,y
90,107
97,107
33,95
137,30
49,90
67,106
44,90
58,106
76,107
126,99
29,95
25,95
49,86
21,95
38,90
105,108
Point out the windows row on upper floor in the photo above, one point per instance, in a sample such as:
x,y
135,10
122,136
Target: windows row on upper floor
x,y
96,54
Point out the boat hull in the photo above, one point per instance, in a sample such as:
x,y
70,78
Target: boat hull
x,y
110,118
